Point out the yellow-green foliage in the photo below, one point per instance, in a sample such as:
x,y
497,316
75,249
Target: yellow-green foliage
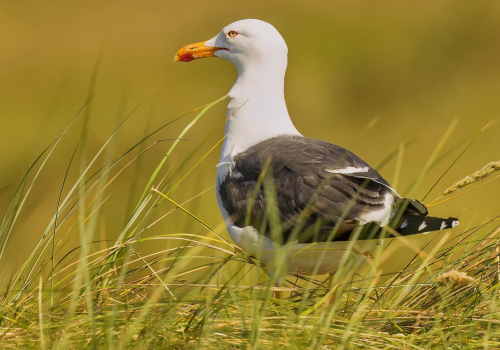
x,y
196,290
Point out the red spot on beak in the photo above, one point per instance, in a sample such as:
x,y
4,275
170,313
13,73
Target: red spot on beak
x,y
194,51
187,57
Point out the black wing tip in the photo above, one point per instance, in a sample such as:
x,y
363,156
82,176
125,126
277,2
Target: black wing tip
x,y
414,224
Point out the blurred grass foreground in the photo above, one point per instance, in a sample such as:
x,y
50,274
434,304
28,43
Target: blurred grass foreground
x,y
196,290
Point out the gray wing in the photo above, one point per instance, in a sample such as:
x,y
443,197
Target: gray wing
x,y
315,183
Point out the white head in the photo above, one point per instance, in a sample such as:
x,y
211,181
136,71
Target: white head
x,y
257,107
246,43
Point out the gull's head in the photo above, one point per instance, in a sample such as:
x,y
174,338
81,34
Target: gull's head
x,y
243,43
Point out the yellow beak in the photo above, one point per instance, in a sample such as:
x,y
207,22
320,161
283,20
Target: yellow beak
x,y
194,51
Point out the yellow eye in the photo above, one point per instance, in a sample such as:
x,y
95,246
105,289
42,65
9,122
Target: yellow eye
x,y
232,33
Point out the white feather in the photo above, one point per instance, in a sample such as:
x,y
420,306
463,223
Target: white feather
x,y
443,225
381,216
348,170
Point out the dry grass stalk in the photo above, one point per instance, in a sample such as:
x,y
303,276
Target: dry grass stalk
x,y
487,170
455,277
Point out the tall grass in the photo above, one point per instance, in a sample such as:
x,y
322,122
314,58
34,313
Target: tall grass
x,y
203,292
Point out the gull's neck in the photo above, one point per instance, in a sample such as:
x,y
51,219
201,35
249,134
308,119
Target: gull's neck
x,y
257,107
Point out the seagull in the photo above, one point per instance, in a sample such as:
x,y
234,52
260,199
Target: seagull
x,y
282,194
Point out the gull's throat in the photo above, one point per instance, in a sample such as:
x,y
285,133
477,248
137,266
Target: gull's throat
x,y
257,108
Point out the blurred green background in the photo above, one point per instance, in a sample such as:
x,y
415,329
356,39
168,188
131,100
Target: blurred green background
x,y
412,66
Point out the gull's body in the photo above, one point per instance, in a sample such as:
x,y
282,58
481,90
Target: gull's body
x,y
341,193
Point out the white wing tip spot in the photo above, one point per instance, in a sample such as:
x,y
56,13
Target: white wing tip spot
x,y
422,226
443,225
349,170
455,223
404,224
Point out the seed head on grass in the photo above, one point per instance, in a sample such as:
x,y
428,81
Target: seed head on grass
x,y
455,278
218,299
487,170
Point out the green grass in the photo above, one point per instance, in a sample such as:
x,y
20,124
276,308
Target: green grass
x,y
200,292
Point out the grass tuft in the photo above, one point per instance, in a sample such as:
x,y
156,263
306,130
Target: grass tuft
x,y
197,290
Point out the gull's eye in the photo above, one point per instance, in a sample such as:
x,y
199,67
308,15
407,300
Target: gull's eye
x,y
232,33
